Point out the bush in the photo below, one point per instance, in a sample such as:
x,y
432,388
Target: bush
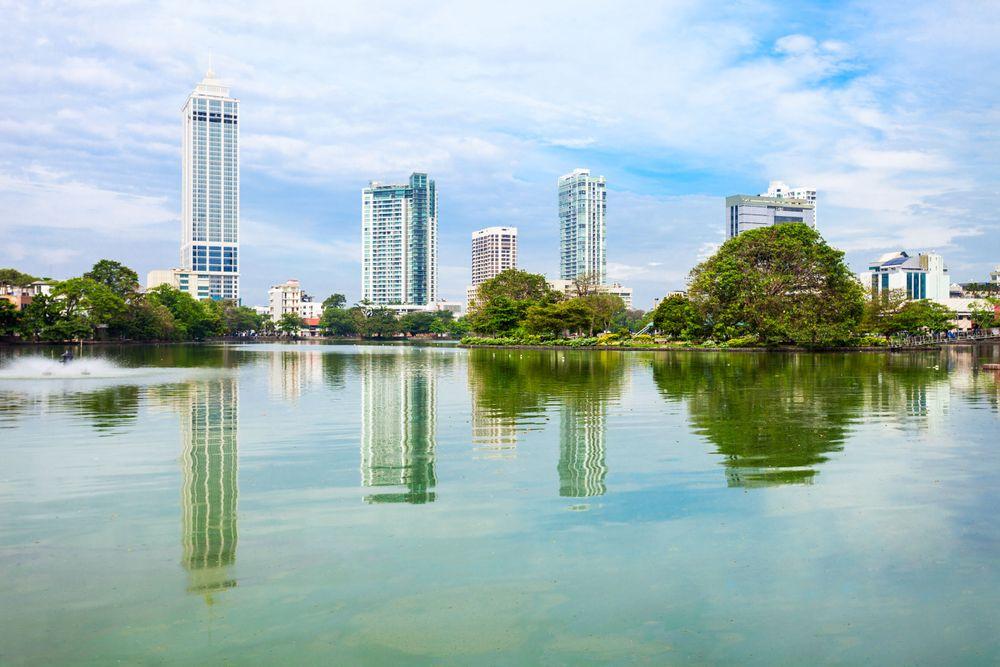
x,y
742,341
871,340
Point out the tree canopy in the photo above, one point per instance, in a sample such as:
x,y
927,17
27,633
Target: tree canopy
x,y
783,284
120,279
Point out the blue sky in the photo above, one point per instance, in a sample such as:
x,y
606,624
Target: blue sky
x,y
890,109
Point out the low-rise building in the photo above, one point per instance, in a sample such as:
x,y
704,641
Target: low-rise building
x,y
21,295
924,276
310,309
568,287
198,285
284,298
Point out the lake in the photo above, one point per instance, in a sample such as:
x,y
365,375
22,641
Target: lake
x,y
367,504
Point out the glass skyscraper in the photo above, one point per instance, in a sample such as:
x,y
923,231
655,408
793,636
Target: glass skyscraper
x,y
210,190
582,209
399,242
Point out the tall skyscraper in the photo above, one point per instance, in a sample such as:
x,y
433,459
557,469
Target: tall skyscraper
x,y
582,210
399,242
210,188
494,249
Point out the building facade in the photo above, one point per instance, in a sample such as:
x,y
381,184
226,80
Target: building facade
x,y
284,298
568,287
210,188
781,190
746,212
399,263
494,249
582,228
922,277
198,285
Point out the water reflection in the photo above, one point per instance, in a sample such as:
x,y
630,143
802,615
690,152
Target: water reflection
x,y
209,429
775,418
398,427
291,372
512,391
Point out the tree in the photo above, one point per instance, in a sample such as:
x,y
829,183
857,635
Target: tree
x,y
10,318
194,320
417,323
986,314
341,322
604,308
783,284
144,320
923,316
554,319
235,320
880,312
122,280
631,319
502,302
381,323
290,324
675,316
16,278
335,301
586,284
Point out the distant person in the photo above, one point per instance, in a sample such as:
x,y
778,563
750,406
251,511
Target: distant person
x,y
66,357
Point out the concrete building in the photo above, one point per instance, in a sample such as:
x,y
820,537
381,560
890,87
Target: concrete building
x,y
568,288
922,277
285,298
399,263
309,308
582,227
494,249
781,190
21,295
198,285
746,212
995,275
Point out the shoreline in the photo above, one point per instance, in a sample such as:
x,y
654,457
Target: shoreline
x,y
670,348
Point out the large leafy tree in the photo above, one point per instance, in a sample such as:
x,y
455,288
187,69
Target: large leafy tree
x,y
880,312
122,280
381,323
10,318
675,316
290,324
986,314
15,277
783,284
554,319
604,309
923,316
193,319
334,301
341,322
502,302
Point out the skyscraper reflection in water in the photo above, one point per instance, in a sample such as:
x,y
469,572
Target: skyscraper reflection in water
x,y
398,427
582,444
209,432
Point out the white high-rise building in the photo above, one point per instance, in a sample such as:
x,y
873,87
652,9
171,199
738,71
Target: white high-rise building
x,y
582,211
285,298
399,263
781,190
746,212
494,249
210,188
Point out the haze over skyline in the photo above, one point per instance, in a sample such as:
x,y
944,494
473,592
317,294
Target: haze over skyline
x,y
883,107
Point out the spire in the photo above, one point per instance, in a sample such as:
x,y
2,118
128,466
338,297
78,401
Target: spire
x,y
210,74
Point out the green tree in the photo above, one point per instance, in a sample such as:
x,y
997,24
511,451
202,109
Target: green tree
x,y
381,323
986,313
15,277
675,316
235,320
923,316
122,280
194,320
604,308
341,322
335,301
10,318
880,312
783,284
418,322
502,302
144,320
290,324
554,319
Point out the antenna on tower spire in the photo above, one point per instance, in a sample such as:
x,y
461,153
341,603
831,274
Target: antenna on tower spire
x,y
210,74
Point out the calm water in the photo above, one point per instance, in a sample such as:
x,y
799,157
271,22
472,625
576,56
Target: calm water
x,y
385,505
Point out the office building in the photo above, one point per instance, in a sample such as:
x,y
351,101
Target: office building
x,y
781,190
198,285
995,275
746,212
494,249
399,263
582,212
210,188
921,277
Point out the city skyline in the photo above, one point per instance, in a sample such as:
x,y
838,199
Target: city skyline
x,y
93,150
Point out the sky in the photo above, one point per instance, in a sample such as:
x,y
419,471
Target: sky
x,y
889,109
